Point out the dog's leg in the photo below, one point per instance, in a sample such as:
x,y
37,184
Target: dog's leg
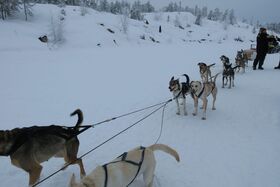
x,y
205,101
70,155
229,86
232,81
34,174
148,176
184,107
81,165
178,106
195,99
223,82
214,94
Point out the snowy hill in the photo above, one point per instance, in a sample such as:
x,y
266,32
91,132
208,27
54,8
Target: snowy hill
x,y
94,28
238,144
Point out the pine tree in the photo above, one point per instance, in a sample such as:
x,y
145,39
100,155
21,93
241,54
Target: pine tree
x,y
27,7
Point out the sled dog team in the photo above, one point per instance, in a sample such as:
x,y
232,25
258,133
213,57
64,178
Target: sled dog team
x,y
202,89
28,147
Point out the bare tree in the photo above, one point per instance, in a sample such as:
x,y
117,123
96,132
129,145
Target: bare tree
x,y
124,19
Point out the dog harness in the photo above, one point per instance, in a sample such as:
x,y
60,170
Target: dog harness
x,y
201,92
123,159
27,133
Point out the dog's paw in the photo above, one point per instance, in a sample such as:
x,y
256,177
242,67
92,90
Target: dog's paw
x,y
203,118
185,114
194,114
178,113
213,108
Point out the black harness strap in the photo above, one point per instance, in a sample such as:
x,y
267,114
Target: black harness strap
x,y
200,93
123,159
27,133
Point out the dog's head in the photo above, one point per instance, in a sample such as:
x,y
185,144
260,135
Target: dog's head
x,y
202,66
174,84
73,183
239,55
195,86
224,59
7,139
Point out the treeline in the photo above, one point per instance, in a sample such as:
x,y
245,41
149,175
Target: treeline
x,y
134,10
273,27
227,16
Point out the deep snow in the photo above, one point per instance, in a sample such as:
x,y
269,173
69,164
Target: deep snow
x,y
238,144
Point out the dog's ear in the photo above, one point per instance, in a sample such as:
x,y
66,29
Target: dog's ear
x,y
73,181
172,78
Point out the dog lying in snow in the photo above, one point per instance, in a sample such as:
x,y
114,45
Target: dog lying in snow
x,y
123,170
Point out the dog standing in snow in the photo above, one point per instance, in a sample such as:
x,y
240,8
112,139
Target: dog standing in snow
x,y
201,90
205,71
180,90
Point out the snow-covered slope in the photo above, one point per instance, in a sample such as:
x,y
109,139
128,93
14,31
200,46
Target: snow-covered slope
x,y
238,144
92,29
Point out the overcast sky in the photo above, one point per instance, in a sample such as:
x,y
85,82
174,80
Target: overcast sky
x,y
262,10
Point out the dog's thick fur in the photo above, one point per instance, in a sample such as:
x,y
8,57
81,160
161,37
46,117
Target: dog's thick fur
x,y
228,75
180,90
228,72
29,147
205,71
201,90
249,54
121,173
240,61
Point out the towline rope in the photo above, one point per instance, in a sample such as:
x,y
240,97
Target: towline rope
x,y
162,105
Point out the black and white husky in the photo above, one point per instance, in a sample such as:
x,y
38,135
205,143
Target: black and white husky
x,y
180,90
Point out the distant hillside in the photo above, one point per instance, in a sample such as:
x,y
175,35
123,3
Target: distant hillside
x,y
99,29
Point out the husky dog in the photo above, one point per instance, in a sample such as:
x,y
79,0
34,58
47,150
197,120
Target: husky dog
x,y
205,71
228,71
228,75
30,146
200,90
240,61
123,170
180,90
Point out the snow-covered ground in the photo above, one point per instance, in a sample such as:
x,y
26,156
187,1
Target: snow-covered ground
x,y
237,146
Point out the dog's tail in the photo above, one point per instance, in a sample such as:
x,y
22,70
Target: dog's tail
x,y
211,65
236,67
80,118
187,78
215,77
165,149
